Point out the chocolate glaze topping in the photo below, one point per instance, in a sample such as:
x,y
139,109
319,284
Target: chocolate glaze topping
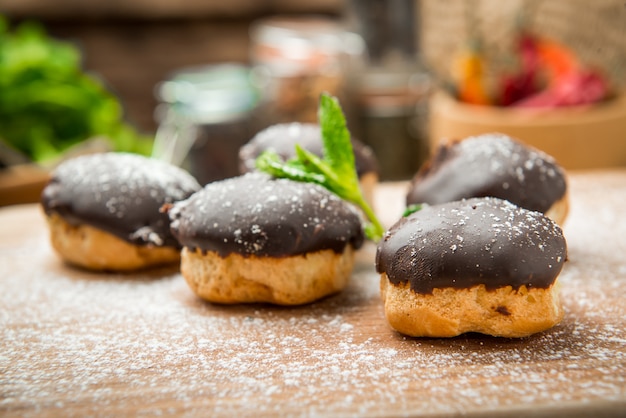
x,y
254,214
282,138
469,242
121,194
489,165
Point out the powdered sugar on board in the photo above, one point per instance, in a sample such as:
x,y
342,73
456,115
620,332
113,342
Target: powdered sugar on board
x,y
77,343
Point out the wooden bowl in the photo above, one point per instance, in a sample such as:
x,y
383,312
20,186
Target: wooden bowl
x,y
583,137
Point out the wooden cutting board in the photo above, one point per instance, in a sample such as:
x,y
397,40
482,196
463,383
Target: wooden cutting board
x,y
76,343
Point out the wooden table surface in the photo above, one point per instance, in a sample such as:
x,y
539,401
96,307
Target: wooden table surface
x,y
76,343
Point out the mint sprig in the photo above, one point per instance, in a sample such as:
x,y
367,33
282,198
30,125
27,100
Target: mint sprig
x,y
416,207
336,171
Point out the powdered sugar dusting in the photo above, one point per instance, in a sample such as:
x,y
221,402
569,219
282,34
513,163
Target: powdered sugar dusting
x,y
497,148
77,343
119,193
129,174
485,240
491,164
254,214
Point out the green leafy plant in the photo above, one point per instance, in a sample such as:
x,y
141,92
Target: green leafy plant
x,y
336,171
48,103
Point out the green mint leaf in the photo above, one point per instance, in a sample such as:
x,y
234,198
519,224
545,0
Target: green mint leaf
x,y
336,171
315,164
412,209
339,154
372,232
338,150
271,163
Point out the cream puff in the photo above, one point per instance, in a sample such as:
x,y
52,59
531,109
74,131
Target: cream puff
x,y
477,265
254,238
493,165
104,211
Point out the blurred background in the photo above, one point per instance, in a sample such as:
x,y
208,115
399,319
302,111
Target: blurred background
x,y
192,81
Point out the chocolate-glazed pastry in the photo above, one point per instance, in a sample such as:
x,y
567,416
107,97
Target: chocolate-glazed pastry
x,y
481,264
257,239
281,138
104,210
475,241
493,165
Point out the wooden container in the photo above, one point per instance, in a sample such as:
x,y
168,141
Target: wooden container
x,y
582,137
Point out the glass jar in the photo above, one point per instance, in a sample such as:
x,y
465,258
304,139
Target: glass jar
x,y
392,118
393,86
298,58
206,114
